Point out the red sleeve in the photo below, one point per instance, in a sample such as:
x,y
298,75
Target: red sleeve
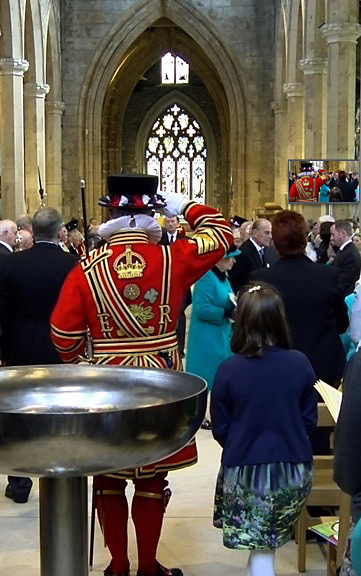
x,y
292,195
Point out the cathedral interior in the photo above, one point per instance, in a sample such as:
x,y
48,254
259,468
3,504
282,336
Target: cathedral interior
x,y
89,88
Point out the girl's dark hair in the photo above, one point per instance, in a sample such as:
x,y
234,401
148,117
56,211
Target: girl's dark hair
x,y
336,195
260,321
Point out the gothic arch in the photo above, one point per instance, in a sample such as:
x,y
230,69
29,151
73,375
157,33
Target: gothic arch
x,y
53,56
281,51
191,106
33,42
54,108
11,18
114,55
296,43
315,45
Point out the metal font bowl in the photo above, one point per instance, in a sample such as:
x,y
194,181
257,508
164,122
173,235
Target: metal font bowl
x,y
84,420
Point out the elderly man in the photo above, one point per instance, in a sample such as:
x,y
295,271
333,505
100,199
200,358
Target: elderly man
x,y
128,294
252,253
25,222
347,260
30,283
8,231
24,240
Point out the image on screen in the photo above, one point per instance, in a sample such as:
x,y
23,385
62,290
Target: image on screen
x,y
323,181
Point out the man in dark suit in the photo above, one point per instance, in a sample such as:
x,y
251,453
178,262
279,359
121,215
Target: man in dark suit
x,y
170,231
348,188
171,234
30,283
8,231
347,260
252,254
315,308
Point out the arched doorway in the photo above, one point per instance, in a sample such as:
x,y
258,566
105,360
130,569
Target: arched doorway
x,y
114,77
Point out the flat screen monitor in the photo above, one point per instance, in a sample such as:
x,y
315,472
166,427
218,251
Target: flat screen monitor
x,y
323,181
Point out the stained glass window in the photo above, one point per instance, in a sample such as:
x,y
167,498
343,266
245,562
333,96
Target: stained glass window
x,y
175,70
176,152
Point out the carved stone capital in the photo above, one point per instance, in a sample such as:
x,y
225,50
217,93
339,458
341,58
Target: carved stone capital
x,y
341,32
314,66
293,89
279,107
13,66
54,107
36,90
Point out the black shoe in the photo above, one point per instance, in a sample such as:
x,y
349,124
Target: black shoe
x,y
109,572
17,499
162,571
207,425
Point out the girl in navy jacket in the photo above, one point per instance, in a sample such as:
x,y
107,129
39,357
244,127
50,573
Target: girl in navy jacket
x,y
263,408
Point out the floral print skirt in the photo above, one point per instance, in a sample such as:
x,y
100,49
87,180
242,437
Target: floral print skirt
x,y
258,506
347,568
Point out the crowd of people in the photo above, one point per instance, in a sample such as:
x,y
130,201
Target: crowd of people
x,y
312,185
270,303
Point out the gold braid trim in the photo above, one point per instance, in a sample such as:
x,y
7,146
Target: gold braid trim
x,y
109,492
154,495
206,241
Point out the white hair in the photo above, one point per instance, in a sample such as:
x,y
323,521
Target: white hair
x,y
6,225
326,218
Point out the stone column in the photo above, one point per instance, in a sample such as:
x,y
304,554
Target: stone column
x,y
315,71
34,101
341,45
281,149
12,137
295,108
53,115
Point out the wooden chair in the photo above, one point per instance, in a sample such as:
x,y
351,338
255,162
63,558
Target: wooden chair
x,y
325,493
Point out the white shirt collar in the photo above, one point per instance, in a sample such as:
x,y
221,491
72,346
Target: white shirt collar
x,y
345,244
256,245
174,234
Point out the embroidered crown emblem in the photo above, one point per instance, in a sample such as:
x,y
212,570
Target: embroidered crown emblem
x,y
129,264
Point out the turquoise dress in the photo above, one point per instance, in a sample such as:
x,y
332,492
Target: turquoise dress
x,y
324,194
210,331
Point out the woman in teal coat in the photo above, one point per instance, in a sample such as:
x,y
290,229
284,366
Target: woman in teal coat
x,y
210,328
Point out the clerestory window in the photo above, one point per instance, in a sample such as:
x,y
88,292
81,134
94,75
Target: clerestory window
x,y
175,70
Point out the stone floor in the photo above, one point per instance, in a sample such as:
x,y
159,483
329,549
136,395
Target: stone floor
x,y
188,540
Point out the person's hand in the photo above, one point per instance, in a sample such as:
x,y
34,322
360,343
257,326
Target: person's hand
x,y
230,313
175,204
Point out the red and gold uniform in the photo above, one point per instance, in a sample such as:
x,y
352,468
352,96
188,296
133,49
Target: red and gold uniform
x,y
128,294
305,189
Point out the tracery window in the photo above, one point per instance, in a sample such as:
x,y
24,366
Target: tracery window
x,y
176,152
175,70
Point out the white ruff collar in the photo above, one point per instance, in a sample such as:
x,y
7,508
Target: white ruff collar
x,y
136,222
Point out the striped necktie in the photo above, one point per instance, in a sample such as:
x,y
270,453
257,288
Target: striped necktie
x,y
261,255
